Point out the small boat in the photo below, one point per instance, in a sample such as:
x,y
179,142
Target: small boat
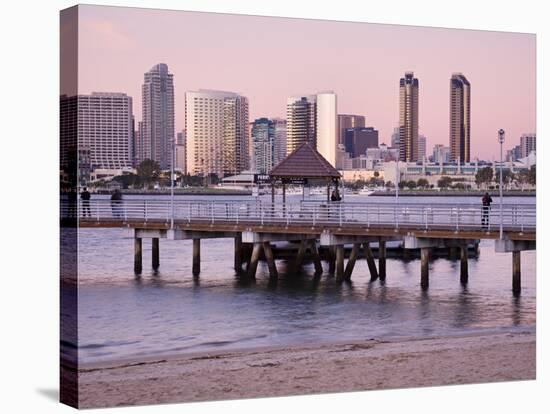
x,y
365,191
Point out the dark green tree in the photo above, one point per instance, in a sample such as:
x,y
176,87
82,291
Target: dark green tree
x,y
444,182
148,171
422,183
484,176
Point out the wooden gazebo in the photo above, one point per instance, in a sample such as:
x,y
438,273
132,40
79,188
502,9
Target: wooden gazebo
x,y
303,164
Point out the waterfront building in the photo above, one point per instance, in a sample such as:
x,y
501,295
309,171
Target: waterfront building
x,y
157,116
217,132
313,118
357,140
263,143
528,144
346,121
459,125
279,126
421,147
104,130
408,118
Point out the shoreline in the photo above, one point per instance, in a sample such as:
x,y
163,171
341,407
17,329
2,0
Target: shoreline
x,y
296,370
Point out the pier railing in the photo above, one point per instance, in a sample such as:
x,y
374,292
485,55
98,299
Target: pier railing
x,y
450,216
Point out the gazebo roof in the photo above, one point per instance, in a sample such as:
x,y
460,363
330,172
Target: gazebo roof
x,y
304,162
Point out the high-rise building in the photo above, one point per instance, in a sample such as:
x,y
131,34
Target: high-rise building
x,y
326,129
395,138
527,144
513,154
421,147
104,129
357,140
441,154
217,128
157,115
263,143
313,118
459,126
346,121
279,125
408,118
301,115
181,153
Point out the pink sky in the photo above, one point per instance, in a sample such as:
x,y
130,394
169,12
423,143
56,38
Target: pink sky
x,y
268,59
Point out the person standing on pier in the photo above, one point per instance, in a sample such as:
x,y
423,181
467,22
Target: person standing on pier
x,y
85,197
116,203
486,201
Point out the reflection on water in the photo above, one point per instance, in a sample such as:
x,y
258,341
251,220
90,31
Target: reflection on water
x,y
170,311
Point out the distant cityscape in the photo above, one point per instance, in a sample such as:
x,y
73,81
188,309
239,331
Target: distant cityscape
x,y
219,139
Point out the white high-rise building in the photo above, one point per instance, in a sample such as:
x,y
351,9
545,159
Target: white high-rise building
x,y
157,130
217,128
105,128
279,126
327,126
314,119
527,144
421,147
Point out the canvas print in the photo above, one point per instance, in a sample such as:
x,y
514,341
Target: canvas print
x,y
262,206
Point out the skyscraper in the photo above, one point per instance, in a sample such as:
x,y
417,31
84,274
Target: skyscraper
x,y
181,153
157,116
408,118
279,126
313,118
301,114
326,128
263,143
217,128
421,147
104,128
346,121
527,144
459,126
357,140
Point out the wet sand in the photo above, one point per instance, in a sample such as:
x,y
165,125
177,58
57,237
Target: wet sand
x,y
269,372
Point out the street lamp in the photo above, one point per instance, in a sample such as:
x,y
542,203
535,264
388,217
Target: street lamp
x,y
173,153
501,141
397,179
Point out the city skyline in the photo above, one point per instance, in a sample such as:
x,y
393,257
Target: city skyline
x,y
433,54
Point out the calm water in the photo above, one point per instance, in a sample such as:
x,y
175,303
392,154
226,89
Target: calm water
x,y
121,316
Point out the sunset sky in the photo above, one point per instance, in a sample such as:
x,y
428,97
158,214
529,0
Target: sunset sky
x,y
269,59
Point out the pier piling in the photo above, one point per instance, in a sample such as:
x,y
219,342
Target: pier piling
x,y
268,253
382,260
316,257
331,259
238,264
351,261
516,272
340,262
137,256
300,256
424,267
196,257
155,253
464,265
253,264
370,261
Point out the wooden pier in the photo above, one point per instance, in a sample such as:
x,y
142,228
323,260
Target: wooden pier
x,y
254,226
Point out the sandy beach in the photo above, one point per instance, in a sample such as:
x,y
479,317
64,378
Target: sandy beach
x,y
268,372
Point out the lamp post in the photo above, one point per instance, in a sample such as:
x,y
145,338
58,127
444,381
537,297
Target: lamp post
x,y
397,179
173,153
501,141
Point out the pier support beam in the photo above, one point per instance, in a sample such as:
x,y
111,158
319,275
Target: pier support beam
x,y
464,265
424,267
196,257
253,264
340,262
300,256
238,264
516,272
316,258
351,261
137,256
382,260
370,261
270,259
155,253
331,259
